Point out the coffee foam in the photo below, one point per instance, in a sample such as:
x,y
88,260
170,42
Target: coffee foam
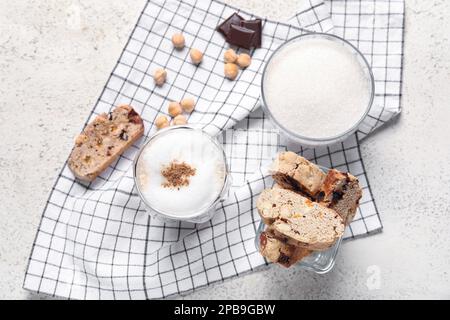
x,y
193,147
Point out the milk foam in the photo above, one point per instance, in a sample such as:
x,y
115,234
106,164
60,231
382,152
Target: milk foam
x,y
316,88
193,147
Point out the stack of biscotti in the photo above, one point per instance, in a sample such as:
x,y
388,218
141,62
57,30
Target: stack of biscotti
x,y
307,210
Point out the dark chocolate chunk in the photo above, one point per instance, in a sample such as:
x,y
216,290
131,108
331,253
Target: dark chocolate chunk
x,y
123,135
336,196
320,196
255,25
108,151
241,32
241,36
224,27
134,117
283,259
132,114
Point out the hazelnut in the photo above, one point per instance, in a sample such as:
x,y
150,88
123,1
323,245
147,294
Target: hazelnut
x,y
230,56
161,121
174,109
178,40
179,120
160,76
196,56
243,60
188,104
231,71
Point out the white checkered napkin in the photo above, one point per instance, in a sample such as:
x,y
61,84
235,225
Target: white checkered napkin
x,y
376,28
97,241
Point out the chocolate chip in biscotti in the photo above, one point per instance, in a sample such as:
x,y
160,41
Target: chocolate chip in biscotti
x,y
283,259
103,140
134,117
341,192
123,135
109,150
336,196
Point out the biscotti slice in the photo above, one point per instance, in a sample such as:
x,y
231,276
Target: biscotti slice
x,y
341,192
295,217
103,140
277,251
292,171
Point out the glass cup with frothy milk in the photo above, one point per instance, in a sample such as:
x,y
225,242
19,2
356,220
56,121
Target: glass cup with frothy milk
x,y
317,88
181,174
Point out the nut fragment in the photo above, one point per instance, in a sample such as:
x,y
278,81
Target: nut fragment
x,y
231,71
174,109
196,56
81,139
160,76
161,121
230,56
243,60
179,120
87,159
178,40
188,104
101,118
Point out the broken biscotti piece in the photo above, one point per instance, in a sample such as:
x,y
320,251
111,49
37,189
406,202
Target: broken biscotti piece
x,y
103,140
292,171
341,192
298,220
277,251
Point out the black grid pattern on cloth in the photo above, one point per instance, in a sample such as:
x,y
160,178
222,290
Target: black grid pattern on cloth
x,y
96,240
376,28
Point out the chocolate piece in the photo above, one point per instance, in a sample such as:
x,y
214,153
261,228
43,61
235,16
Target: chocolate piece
x,y
224,27
240,32
255,25
241,36
123,135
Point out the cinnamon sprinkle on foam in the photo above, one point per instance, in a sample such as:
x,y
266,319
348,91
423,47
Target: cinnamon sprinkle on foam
x,y
177,174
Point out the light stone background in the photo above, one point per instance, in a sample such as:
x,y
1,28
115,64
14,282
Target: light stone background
x,y
53,67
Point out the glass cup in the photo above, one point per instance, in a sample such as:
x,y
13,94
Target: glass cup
x,y
318,261
202,215
310,141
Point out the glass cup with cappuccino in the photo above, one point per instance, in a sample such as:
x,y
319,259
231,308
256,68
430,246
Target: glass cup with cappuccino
x,y
181,174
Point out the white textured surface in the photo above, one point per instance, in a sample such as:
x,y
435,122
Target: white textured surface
x,y
52,69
